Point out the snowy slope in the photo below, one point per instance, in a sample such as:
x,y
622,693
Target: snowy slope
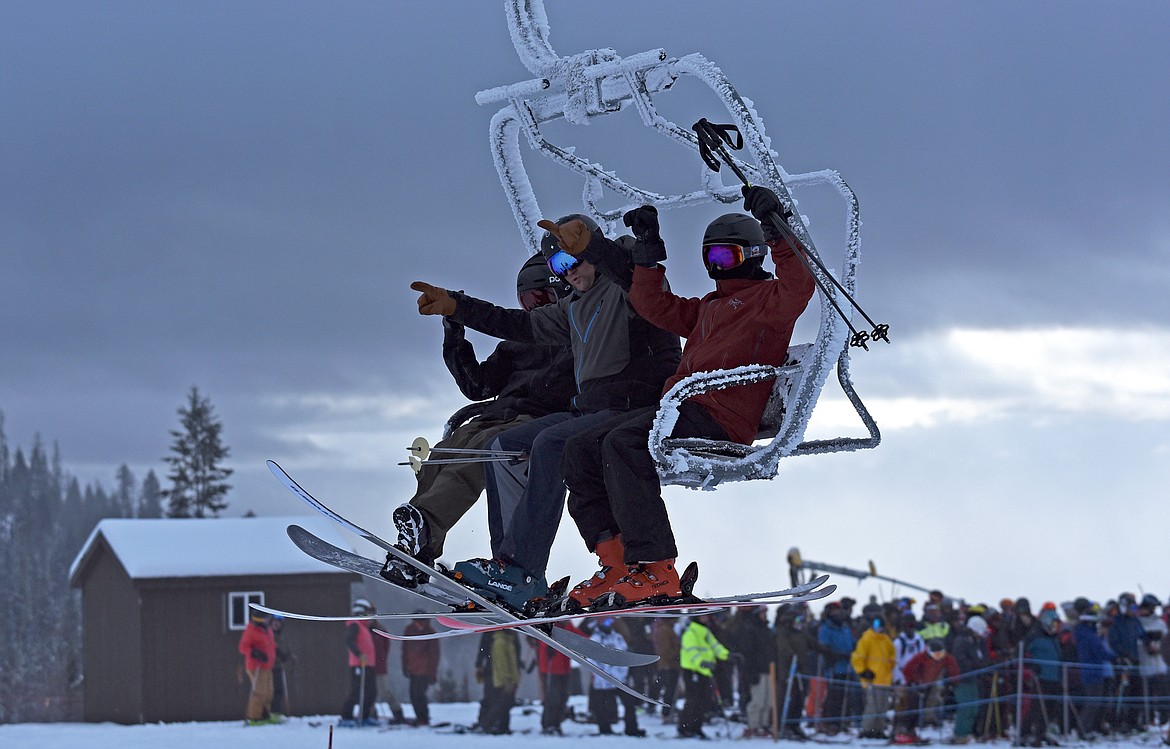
x,y
306,733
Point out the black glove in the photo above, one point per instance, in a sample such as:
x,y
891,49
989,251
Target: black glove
x,y
762,203
649,248
259,655
866,674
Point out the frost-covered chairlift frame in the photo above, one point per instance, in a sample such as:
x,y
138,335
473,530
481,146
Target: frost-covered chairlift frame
x,y
598,82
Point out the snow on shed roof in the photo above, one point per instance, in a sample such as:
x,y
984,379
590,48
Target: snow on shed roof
x,y
214,547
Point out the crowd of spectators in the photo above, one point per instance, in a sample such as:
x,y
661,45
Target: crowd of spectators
x,y
979,671
963,672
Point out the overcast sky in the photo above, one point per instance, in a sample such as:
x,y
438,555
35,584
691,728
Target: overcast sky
x,y
237,195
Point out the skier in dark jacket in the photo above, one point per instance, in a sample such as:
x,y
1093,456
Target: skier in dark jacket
x,y
522,380
969,647
797,652
620,362
615,495
1125,639
756,646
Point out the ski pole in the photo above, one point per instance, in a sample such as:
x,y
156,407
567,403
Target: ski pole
x,y
359,709
787,697
417,465
421,449
469,459
471,451
715,139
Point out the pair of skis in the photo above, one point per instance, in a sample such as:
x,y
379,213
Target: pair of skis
x,y
490,615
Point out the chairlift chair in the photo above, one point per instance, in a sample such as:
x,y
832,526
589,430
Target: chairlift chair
x,y
599,82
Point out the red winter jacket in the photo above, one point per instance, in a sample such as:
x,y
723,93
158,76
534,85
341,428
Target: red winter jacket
x,y
260,638
359,641
554,662
923,669
420,657
741,322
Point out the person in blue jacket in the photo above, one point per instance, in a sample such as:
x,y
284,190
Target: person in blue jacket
x,y
837,635
1092,657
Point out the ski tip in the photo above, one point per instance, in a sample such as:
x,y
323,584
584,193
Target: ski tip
x,y
817,581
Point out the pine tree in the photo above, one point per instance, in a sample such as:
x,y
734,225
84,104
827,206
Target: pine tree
x,y
125,484
150,497
198,481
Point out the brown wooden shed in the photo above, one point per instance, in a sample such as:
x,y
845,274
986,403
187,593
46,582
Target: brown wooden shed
x,y
164,603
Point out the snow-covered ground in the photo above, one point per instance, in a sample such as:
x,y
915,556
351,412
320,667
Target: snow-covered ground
x,y
313,733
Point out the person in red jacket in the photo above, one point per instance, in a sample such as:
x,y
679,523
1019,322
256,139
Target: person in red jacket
x,y
554,669
926,671
615,497
258,646
420,664
359,641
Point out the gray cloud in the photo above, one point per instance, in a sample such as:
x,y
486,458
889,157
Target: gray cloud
x,y
236,196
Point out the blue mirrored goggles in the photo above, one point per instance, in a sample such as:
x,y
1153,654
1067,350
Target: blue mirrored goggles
x,y
562,262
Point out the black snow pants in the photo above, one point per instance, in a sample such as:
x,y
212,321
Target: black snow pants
x,y
613,485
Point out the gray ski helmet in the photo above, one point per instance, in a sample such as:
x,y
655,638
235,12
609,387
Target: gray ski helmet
x,y
548,243
734,228
534,274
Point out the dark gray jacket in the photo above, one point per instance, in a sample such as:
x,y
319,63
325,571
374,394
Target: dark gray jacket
x,y
620,360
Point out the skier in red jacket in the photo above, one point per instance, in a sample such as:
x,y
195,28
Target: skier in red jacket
x,y
258,646
420,664
615,497
554,668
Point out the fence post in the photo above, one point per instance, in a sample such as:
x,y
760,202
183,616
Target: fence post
x,y
787,696
1064,699
1019,695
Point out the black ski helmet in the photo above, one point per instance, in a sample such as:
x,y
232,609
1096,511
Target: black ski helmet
x,y
534,275
548,243
741,229
735,228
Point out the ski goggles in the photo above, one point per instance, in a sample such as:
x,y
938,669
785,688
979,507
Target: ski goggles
x,y
562,262
533,298
725,256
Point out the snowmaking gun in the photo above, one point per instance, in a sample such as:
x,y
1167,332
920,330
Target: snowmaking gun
x,y
798,565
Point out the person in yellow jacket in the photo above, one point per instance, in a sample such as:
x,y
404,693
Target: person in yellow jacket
x,y
697,659
873,660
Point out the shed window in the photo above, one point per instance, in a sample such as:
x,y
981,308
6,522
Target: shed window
x,y
238,611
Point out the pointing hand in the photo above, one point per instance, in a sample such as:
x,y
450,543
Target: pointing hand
x,y
433,300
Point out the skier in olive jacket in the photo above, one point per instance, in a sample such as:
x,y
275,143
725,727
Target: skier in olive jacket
x,y
523,380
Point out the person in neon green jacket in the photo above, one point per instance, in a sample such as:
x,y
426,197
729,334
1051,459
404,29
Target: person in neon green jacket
x,y
697,658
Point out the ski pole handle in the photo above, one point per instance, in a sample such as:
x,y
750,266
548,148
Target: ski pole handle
x,y
712,138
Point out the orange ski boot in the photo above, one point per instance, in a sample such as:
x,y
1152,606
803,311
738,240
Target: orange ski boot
x,y
643,581
611,555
